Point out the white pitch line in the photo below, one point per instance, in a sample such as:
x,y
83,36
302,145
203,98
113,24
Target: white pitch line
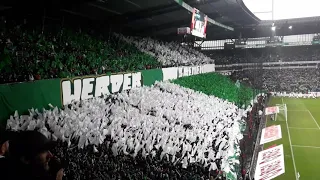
x,y
304,128
306,146
298,110
314,119
294,163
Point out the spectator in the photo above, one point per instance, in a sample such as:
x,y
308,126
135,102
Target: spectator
x,y
31,158
4,144
5,137
4,149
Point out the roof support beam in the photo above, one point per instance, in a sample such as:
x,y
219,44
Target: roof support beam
x,y
76,13
172,24
103,8
155,11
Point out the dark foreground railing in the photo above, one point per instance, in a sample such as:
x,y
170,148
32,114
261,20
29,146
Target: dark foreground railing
x,y
249,145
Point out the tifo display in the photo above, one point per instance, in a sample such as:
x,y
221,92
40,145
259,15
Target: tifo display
x,y
60,92
166,123
129,126
107,90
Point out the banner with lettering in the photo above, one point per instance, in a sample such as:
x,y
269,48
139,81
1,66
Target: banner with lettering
x,y
270,170
199,24
270,163
60,92
270,134
272,110
270,154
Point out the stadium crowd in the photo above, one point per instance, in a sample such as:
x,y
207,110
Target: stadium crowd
x,y
291,80
30,53
169,53
271,54
297,80
98,139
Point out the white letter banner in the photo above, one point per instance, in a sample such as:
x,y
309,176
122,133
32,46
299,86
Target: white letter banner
x,y
272,110
270,134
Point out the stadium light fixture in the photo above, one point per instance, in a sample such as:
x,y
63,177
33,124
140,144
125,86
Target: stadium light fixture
x,y
290,27
273,28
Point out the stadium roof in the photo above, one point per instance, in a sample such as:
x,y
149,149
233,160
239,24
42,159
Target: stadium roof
x,y
158,18
164,19
283,9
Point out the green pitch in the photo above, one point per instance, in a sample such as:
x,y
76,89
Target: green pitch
x,y
300,138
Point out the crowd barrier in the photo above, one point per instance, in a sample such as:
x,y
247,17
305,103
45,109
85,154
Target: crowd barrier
x,y
250,145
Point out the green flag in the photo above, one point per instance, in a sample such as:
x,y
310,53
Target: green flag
x,y
238,84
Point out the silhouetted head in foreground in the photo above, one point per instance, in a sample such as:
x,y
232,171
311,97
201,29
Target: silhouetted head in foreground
x,y
32,148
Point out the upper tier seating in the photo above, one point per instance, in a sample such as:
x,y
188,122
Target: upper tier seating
x,y
28,53
259,55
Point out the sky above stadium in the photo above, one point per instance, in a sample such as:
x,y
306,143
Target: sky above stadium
x,y
283,9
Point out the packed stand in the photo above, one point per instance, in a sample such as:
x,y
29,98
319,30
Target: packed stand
x,y
299,80
260,55
291,80
30,53
159,132
169,53
252,78
219,86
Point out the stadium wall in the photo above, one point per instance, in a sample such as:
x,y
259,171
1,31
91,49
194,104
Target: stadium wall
x,y
59,92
